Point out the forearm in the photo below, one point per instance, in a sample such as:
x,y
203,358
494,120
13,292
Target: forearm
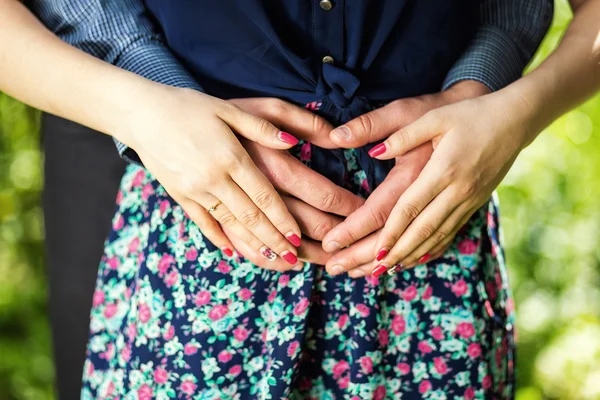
x,y
39,69
568,77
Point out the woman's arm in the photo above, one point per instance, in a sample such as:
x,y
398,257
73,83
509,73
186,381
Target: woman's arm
x,y
569,76
185,138
39,69
476,142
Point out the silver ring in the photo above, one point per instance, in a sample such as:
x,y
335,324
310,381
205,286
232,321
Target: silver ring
x,y
213,208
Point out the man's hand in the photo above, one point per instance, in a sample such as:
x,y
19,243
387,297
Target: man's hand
x,y
374,126
311,198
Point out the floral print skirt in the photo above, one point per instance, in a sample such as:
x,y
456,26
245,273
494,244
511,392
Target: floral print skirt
x,y
174,318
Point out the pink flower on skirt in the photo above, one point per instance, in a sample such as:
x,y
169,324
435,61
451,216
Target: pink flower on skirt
x,y
144,313
168,335
474,350
366,364
235,370
404,368
363,310
165,263
424,387
218,312
223,267
292,348
343,320
426,295
203,297
145,392
188,387
379,393
240,333
118,222
172,278
301,307
398,324
467,246
245,294
133,245
284,280
465,329
160,375
409,293
110,310
424,347
305,152
383,337
339,368
469,394
98,298
437,333
460,288
440,365
191,254
190,349
224,356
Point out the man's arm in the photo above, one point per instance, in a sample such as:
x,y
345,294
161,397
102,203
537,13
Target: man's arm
x,y
507,38
119,32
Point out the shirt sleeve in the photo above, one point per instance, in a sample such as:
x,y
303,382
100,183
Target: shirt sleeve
x,y
508,36
119,32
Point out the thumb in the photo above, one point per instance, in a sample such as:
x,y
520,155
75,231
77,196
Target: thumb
x,y
373,126
411,136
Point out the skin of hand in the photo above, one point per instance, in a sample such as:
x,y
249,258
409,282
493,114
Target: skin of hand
x,y
374,126
315,202
470,158
188,141
477,141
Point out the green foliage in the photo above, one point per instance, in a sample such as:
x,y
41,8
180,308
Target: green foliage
x,y
550,216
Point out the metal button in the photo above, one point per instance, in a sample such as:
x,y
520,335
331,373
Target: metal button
x,y
328,60
326,5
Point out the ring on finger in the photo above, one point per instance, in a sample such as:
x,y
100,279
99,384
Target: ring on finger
x,y
214,207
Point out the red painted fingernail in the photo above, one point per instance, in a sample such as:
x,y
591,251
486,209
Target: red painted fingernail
x,y
228,252
268,253
289,257
293,239
378,270
287,138
424,259
377,150
382,253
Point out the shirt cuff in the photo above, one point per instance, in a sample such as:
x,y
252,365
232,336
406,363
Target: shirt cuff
x,y
154,61
492,58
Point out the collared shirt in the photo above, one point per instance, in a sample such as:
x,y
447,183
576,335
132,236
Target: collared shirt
x,y
126,34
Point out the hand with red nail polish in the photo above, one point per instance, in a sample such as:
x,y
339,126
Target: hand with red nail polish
x,y
305,190
382,124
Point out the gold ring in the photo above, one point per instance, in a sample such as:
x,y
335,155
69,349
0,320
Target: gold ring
x,y
213,208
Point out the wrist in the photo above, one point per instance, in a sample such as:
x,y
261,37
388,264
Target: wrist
x,y
144,103
463,90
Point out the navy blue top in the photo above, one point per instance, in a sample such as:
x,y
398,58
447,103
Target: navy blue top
x,y
351,54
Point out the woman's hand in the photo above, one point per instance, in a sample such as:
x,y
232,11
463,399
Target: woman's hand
x,y
475,143
187,140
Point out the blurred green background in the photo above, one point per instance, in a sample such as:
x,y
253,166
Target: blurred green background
x,y
551,217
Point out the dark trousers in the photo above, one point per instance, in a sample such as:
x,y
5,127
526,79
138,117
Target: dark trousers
x,y
82,175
